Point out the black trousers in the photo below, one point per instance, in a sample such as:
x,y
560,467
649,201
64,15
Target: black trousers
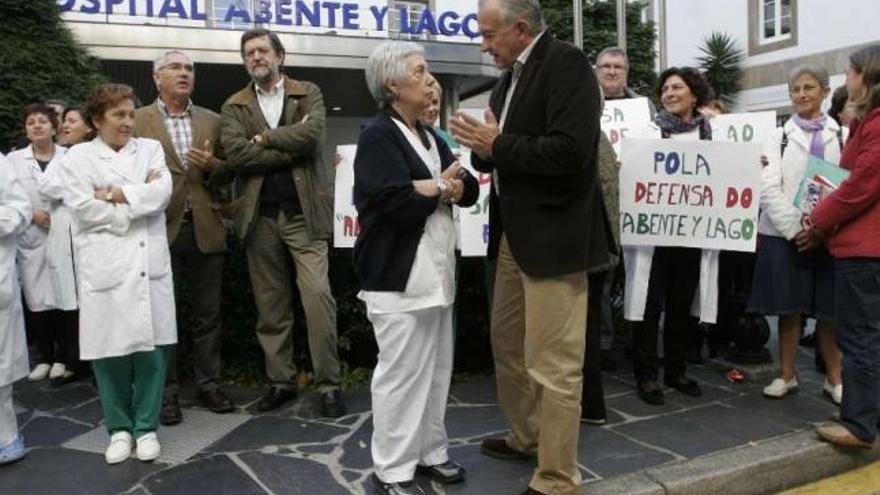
x,y
56,335
593,396
675,275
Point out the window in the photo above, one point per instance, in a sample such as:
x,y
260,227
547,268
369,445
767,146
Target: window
x,y
775,21
413,9
772,25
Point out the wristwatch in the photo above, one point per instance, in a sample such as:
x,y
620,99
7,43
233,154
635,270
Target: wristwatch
x,y
109,196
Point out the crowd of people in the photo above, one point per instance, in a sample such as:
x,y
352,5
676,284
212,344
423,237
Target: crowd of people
x,y
102,211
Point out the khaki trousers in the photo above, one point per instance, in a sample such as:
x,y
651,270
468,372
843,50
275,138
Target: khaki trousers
x,y
538,343
267,250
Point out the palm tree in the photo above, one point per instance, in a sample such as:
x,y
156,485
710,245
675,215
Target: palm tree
x,y
721,63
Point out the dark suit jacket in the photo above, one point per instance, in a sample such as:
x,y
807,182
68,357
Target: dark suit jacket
x,y
207,219
391,213
549,206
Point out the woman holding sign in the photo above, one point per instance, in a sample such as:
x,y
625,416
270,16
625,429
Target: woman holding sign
x,y
674,273
790,284
851,215
405,183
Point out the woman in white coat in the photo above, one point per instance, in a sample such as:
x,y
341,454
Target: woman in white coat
x,y
666,279
117,188
52,317
15,216
788,283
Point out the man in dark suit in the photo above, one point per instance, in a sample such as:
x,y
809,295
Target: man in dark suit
x,y
190,136
544,224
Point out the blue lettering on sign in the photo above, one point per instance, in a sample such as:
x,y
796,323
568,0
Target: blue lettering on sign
x,y
309,13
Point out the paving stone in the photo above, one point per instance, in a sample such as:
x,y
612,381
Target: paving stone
x,y
69,472
217,475
316,449
487,475
41,396
48,431
271,430
631,405
704,429
350,475
480,390
90,412
356,449
796,409
293,476
198,430
607,453
612,385
474,421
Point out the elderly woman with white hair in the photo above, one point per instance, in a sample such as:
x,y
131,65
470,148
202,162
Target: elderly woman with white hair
x,y
406,180
787,283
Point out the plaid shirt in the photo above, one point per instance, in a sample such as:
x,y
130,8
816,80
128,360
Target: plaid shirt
x,y
179,129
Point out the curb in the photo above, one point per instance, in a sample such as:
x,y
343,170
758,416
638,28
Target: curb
x,y
757,469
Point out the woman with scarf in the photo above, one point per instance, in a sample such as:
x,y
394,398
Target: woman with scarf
x,y
674,273
788,283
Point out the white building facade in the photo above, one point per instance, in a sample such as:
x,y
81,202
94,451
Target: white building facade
x,y
776,36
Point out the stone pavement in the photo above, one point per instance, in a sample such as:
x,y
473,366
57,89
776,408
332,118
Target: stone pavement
x,y
294,452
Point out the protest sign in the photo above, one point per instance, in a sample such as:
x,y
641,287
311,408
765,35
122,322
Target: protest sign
x,y
622,116
345,223
699,194
752,127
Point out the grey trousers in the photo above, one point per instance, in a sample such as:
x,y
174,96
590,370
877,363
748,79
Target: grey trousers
x,y
202,274
268,247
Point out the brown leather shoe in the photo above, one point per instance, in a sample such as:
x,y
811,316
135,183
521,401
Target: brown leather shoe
x,y
215,401
532,491
498,448
841,437
170,413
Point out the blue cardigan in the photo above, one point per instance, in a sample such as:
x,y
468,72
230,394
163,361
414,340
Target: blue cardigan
x,y
391,213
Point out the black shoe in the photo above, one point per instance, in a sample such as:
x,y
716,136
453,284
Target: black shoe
x,y
609,360
684,385
215,401
332,405
650,392
274,398
402,488
170,413
498,448
66,378
447,473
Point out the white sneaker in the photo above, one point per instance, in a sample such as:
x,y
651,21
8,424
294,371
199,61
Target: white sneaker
x,y
148,448
779,388
57,370
119,448
835,392
40,372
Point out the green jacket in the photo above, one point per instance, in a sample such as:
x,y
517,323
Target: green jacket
x,y
296,145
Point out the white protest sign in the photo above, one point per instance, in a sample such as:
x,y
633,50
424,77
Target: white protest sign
x,y
699,194
345,217
619,117
743,127
473,222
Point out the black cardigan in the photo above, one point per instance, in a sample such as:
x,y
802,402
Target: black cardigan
x,y
391,213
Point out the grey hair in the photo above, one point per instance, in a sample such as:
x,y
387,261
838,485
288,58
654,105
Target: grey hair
x,y
511,10
159,62
387,64
613,50
818,73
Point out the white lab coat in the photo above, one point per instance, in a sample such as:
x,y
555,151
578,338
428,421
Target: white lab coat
x,y
638,261
33,263
59,247
123,264
15,216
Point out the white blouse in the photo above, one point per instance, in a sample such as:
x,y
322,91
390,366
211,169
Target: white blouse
x,y
431,280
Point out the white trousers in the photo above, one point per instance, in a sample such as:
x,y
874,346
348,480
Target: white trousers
x,y
410,388
8,423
